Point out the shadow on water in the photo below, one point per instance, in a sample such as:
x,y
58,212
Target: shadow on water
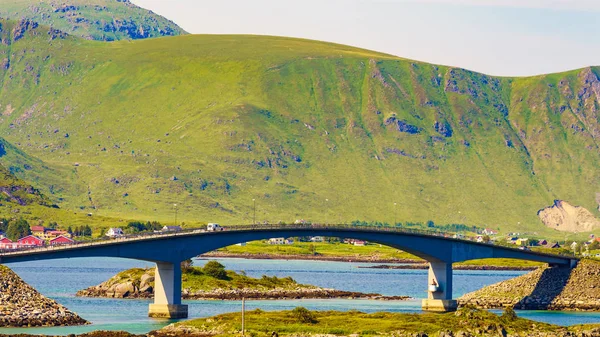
x,y
549,286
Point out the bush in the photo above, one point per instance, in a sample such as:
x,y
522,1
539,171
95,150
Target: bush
x,y
509,315
215,269
304,315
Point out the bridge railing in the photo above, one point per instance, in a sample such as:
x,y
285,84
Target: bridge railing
x,y
194,231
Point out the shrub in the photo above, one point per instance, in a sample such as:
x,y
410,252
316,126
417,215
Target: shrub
x,y
509,315
304,315
215,269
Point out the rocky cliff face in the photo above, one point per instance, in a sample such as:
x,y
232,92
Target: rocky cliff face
x,y
23,306
544,289
565,217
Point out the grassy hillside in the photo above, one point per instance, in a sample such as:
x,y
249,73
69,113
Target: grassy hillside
x,y
105,20
309,129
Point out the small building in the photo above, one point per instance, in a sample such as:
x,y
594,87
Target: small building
x,y
522,242
171,229
289,241
39,231
552,245
317,239
61,240
489,231
359,243
241,244
30,241
114,232
6,243
542,243
52,234
277,241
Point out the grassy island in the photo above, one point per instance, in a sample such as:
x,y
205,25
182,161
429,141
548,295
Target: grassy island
x,y
214,282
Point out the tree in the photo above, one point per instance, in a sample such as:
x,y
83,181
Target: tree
x,y
186,265
304,315
215,269
430,224
87,230
18,229
70,230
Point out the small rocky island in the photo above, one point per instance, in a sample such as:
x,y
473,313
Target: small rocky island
x,y
545,288
23,306
213,282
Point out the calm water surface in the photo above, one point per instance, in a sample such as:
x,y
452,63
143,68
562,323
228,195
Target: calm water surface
x,y
60,279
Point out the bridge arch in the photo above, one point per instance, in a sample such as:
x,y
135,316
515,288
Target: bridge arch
x,y
168,250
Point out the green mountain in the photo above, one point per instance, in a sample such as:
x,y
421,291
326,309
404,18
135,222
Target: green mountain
x,y
309,129
106,20
15,191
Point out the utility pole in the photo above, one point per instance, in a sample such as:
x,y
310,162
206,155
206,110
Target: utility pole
x,y
254,218
175,205
243,316
395,214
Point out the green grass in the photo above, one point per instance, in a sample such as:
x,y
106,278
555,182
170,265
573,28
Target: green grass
x,y
195,279
298,125
105,20
370,251
261,323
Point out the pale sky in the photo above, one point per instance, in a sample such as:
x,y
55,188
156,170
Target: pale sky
x,y
497,37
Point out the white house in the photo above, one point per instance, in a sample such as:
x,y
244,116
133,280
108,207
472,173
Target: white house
x,y
317,239
171,229
276,241
114,232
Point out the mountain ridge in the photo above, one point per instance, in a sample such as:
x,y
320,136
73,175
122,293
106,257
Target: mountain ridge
x,y
309,129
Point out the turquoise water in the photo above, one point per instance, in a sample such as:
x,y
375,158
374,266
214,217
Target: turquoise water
x,y
60,279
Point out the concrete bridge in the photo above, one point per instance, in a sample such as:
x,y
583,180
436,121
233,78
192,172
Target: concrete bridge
x,y
170,249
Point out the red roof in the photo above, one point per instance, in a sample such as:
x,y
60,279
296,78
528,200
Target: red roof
x,y
38,228
61,239
31,241
6,240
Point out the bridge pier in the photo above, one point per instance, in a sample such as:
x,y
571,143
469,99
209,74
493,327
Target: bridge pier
x,y
167,292
439,288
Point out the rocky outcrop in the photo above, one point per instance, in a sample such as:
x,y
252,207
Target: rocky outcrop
x,y
565,217
142,286
23,306
546,288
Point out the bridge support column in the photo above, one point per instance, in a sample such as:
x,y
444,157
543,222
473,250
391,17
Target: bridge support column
x,y
439,288
167,292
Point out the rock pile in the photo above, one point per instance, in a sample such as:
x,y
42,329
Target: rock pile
x,y
544,289
23,306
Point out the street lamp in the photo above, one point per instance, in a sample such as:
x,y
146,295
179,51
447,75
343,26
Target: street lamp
x,y
175,205
254,218
327,203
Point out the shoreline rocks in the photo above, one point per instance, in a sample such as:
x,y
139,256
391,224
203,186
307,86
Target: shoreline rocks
x,y
138,284
456,267
23,306
545,288
370,259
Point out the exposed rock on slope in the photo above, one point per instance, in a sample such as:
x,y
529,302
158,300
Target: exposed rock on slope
x,y
544,289
23,306
565,217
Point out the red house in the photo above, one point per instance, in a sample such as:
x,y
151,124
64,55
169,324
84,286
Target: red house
x,y
7,243
61,240
31,241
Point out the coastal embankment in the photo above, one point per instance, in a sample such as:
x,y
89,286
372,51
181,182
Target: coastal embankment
x,y
545,288
423,266
23,306
307,257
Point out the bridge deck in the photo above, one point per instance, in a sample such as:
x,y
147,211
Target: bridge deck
x,y
334,229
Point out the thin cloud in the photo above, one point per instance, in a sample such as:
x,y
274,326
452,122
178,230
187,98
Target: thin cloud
x,y
574,5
